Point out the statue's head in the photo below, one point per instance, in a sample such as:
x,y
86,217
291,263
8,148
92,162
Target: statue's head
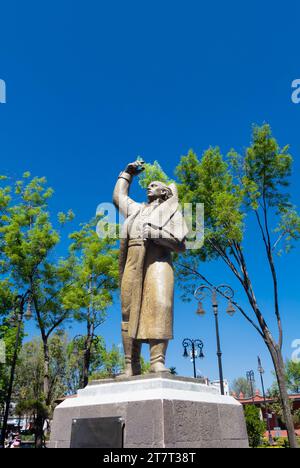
x,y
158,191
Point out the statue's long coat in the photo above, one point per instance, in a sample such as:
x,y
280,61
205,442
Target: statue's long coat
x,y
146,270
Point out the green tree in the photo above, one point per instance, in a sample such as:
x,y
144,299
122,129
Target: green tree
x,y
11,338
7,333
255,426
28,389
110,364
38,413
235,190
76,352
292,370
95,278
28,240
145,366
292,376
29,380
153,172
241,385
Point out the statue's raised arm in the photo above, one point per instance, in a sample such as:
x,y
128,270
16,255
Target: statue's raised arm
x,y
121,197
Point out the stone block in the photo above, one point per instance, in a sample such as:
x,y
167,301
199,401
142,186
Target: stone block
x,y
160,411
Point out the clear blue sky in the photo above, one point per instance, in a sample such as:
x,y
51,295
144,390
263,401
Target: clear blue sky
x,y
91,85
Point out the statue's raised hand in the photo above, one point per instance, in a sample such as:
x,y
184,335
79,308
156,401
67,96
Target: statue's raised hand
x,y
135,168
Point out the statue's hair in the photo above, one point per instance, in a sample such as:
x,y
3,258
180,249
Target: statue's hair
x,y
169,192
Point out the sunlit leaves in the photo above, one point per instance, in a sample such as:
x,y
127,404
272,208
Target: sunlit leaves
x,y
153,172
209,181
95,273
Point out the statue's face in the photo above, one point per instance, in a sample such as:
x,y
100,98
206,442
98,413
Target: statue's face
x,y
156,191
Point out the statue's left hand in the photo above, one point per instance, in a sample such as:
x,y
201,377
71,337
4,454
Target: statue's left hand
x,y
149,232
135,168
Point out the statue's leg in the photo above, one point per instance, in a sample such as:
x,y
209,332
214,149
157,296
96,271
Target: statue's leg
x,y
132,347
127,345
132,353
158,349
136,357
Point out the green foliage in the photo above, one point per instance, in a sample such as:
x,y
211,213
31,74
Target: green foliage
x,y
64,218
79,286
65,367
279,443
291,376
292,370
209,181
34,408
29,379
28,239
8,333
95,272
26,229
263,174
230,186
266,169
255,426
153,172
145,366
276,406
76,351
288,229
112,363
241,385
94,280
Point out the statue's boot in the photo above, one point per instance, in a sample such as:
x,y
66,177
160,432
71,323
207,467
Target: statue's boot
x,y
158,349
132,353
136,357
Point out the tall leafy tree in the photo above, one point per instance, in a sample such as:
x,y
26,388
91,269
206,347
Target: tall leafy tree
x,y
95,278
255,426
29,381
293,376
7,337
28,240
241,385
111,364
7,334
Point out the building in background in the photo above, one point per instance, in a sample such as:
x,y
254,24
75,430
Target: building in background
x,y
277,426
216,383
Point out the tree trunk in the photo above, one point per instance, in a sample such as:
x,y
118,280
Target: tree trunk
x,y
39,433
86,366
46,372
284,397
87,348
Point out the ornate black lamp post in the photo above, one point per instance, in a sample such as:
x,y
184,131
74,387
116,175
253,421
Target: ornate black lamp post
x,y
225,291
194,349
16,319
261,371
251,380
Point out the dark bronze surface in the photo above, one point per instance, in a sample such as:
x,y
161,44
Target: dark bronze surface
x,y
151,232
97,433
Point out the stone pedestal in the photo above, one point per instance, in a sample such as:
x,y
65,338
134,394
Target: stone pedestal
x,y
160,411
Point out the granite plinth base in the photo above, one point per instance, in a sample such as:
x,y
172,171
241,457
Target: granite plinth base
x,y
160,411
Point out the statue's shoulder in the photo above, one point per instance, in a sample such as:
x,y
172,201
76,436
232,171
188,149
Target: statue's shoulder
x,y
133,207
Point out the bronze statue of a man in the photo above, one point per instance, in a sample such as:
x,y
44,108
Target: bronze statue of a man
x,y
150,233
